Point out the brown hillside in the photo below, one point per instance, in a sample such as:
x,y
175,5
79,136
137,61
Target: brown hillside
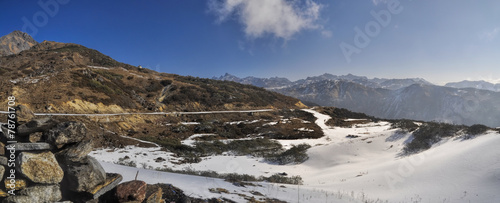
x,y
60,77
54,77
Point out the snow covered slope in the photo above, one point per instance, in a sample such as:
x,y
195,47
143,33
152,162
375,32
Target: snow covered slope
x,y
367,168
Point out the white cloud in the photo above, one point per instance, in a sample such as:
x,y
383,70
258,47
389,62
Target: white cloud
x,y
490,35
281,18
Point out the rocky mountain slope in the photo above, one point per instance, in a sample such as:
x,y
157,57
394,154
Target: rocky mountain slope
x,y
15,42
54,77
63,77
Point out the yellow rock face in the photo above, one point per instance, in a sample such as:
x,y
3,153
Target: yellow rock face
x,y
78,105
300,105
19,184
40,168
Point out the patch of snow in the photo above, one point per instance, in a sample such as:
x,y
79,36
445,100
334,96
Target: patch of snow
x,y
190,123
190,141
353,119
99,67
244,122
196,186
147,142
305,130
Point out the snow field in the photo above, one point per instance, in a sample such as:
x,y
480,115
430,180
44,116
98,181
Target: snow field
x,y
366,168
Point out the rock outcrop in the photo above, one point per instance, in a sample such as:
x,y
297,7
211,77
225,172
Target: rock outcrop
x,y
15,42
66,133
131,191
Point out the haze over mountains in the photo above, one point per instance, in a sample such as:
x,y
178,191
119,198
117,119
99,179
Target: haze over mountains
x,y
475,84
413,98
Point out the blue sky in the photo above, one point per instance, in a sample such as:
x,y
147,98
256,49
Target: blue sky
x,y
441,41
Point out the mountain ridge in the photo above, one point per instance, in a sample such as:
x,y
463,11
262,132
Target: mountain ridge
x,y
280,82
412,98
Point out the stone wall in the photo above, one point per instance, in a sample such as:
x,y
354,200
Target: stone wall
x,y
50,163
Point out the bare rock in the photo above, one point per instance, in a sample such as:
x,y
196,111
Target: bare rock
x,y
32,146
35,137
66,133
100,193
112,180
2,171
3,161
24,114
83,176
38,193
131,191
37,125
77,152
155,197
2,148
40,168
15,42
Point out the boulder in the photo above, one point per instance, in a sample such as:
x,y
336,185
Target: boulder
x,y
32,146
83,176
112,180
24,114
39,168
66,133
37,125
155,197
131,191
76,152
38,193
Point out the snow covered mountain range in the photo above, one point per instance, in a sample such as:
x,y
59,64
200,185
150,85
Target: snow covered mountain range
x,y
414,98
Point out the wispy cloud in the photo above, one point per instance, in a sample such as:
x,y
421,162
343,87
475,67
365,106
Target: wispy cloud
x,y
490,35
326,33
376,2
280,18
